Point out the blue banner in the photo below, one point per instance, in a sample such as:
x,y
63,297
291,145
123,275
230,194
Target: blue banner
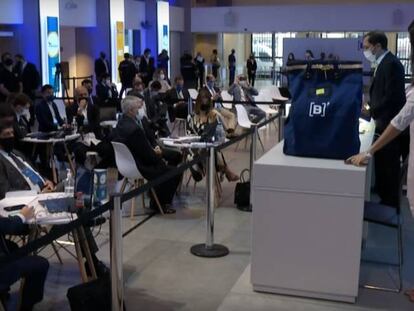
x,y
53,50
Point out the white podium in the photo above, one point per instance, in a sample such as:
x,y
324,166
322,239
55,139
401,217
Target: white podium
x,y
307,224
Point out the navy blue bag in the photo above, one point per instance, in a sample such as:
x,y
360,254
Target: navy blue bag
x,y
326,103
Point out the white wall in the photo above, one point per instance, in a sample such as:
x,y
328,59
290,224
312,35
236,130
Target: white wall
x,y
134,14
284,18
11,11
176,18
84,15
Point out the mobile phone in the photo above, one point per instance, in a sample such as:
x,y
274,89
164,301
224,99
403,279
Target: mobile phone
x,y
14,208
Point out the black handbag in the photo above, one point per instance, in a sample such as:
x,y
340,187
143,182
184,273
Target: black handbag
x,y
94,295
242,192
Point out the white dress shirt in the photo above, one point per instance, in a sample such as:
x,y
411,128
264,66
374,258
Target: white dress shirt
x,y
50,104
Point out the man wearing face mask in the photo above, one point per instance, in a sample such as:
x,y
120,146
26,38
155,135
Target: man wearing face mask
x,y
243,92
87,83
87,121
106,90
387,97
146,67
230,120
9,80
138,89
177,100
47,113
130,132
156,109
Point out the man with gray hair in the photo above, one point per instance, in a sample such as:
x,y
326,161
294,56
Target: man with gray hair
x,y
130,131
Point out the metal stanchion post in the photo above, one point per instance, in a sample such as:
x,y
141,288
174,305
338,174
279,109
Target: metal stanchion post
x,y
117,279
209,249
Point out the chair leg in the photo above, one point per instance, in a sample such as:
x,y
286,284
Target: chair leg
x,y
140,183
260,140
157,201
124,183
400,255
133,201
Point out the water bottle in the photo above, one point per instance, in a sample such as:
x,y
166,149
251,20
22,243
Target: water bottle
x,y
220,134
69,184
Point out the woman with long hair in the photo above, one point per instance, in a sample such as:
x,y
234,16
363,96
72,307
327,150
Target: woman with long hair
x,y
400,122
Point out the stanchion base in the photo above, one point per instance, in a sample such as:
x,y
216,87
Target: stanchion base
x,y
215,251
245,208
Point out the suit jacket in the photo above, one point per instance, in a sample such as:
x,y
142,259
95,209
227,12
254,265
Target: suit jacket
x,y
93,118
21,127
45,117
251,66
249,92
30,78
156,108
216,89
13,226
387,91
170,98
146,69
100,68
10,177
127,72
133,136
102,92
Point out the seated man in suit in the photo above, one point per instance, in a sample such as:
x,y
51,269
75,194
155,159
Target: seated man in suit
x,y
138,88
86,116
156,109
130,132
230,119
17,174
243,92
88,84
177,100
106,90
47,113
33,269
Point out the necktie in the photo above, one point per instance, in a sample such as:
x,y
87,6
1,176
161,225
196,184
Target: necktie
x,y
28,171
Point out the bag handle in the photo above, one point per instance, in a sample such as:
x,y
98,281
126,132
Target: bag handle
x,y
242,177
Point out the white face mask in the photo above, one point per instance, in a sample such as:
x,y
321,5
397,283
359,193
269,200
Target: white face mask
x,y
162,77
141,113
370,56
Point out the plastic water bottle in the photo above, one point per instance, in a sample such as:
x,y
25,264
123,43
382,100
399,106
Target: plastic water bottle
x,y
69,184
220,134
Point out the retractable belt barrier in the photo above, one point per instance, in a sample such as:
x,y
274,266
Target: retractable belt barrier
x,y
60,230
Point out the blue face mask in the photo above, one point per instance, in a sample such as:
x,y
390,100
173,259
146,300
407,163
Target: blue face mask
x,y
50,98
210,84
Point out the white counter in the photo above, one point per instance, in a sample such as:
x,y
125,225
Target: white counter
x,y
307,224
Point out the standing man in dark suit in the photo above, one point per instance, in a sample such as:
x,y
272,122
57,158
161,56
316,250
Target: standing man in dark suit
x,y
47,113
232,66
9,81
199,62
251,69
30,77
387,97
130,131
127,72
156,109
146,67
177,100
101,66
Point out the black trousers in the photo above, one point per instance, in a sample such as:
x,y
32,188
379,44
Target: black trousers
x,y
252,78
232,74
214,71
387,173
34,271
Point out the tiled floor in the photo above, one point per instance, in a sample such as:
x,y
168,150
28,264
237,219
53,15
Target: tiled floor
x,y
161,273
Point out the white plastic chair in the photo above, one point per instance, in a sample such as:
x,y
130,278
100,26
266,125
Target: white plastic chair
x,y
127,167
244,121
227,97
274,93
193,93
